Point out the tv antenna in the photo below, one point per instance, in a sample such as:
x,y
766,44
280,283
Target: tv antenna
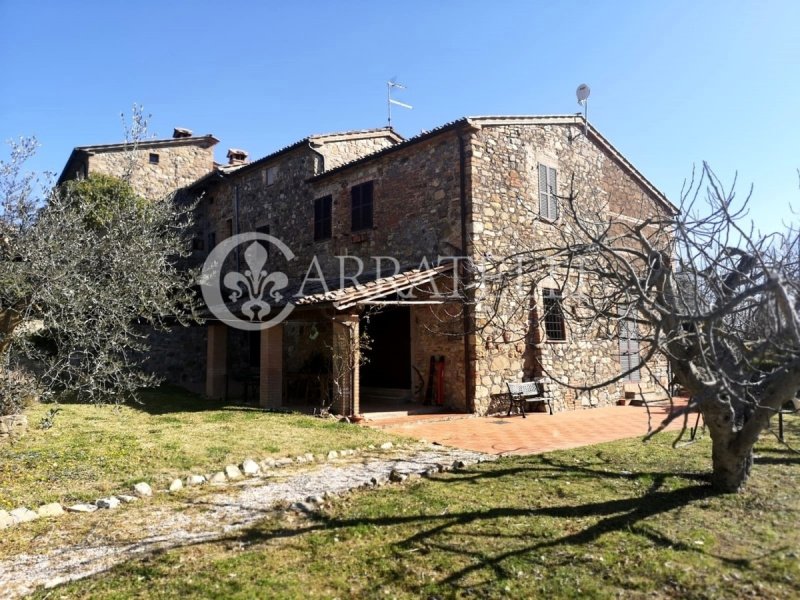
x,y
582,94
391,85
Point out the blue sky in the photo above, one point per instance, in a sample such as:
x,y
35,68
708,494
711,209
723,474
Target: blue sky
x,y
673,83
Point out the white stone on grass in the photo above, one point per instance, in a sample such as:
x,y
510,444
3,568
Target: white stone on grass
x,y
108,503
218,477
309,457
127,499
176,485
6,520
54,509
82,508
283,462
387,446
143,490
195,480
232,472
333,454
23,515
250,467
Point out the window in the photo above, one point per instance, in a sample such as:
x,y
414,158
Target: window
x,y
212,240
197,244
153,158
228,228
322,218
548,190
270,175
553,316
361,207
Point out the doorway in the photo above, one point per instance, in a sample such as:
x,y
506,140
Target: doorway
x,y
386,376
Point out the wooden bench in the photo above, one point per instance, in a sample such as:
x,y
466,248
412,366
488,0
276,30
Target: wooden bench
x,y
520,394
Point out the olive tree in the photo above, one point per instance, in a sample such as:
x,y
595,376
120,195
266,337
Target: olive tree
x,y
715,298
86,271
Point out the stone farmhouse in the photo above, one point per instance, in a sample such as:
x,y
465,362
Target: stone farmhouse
x,y
471,187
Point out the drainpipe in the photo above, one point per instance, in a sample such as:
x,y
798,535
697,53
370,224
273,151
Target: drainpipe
x,y
236,220
466,312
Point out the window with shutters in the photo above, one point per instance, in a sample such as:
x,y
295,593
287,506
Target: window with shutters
x,y
548,193
554,326
629,358
361,206
322,218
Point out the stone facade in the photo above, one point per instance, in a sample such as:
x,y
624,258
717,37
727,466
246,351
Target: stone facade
x,y
468,189
503,162
155,168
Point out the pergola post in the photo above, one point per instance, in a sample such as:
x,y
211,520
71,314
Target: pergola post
x,y
271,368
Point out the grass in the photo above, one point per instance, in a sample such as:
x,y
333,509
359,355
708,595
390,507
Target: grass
x,y
92,451
621,519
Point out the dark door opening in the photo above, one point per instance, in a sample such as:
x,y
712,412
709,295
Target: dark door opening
x,y
389,358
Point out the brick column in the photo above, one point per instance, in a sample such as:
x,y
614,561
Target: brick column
x,y
347,358
216,360
271,378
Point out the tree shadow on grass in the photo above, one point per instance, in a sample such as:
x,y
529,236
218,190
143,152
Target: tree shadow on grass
x,y
437,532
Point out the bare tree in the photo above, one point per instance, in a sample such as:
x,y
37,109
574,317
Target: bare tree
x,y
85,272
718,300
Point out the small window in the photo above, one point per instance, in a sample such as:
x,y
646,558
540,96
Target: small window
x,y
270,175
554,326
212,240
153,158
322,218
361,206
197,244
548,193
228,228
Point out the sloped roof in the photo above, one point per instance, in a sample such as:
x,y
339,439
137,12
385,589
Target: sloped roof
x,y
369,287
488,121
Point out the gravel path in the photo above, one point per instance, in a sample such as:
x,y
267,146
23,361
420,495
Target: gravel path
x,y
233,508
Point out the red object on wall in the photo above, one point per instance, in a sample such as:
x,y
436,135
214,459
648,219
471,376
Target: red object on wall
x,y
440,381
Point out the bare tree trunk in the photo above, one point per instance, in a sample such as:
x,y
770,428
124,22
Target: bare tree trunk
x,y
730,467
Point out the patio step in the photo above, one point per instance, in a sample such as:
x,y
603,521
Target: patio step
x,y
647,397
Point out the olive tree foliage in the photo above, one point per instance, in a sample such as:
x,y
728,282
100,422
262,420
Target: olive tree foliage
x,y
86,272
719,300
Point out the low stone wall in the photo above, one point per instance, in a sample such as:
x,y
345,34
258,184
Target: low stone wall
x,y
12,425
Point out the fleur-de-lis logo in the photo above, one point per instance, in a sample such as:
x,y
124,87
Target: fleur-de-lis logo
x,y
256,287
254,282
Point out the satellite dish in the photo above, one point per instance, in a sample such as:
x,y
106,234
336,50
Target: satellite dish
x,y
582,93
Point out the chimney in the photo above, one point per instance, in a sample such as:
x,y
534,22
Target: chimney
x,y
236,156
180,132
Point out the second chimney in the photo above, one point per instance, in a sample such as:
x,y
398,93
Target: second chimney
x,y
236,156
180,132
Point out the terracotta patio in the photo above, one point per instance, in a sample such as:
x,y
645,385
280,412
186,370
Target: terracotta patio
x,y
539,432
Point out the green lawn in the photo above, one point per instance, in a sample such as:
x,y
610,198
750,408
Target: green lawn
x,y
615,520
92,451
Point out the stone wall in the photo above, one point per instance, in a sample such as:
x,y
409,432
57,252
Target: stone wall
x,y
180,163
436,332
179,356
504,190
12,426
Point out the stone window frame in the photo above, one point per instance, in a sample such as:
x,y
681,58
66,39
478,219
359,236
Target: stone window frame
x,y
323,218
550,193
154,158
363,223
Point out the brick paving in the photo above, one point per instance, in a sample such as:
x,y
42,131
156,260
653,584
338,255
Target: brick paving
x,y
539,432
